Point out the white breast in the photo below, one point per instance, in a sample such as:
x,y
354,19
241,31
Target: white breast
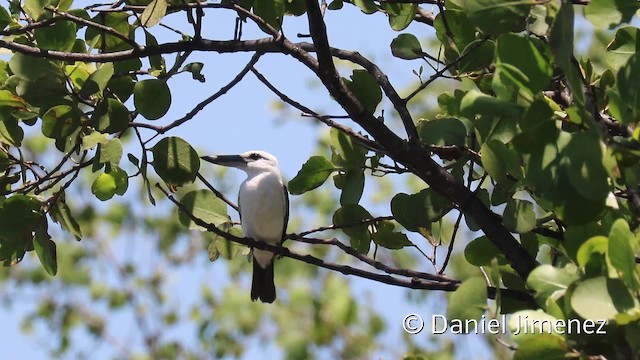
x,y
262,207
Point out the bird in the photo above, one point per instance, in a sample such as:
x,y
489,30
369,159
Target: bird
x,y
263,202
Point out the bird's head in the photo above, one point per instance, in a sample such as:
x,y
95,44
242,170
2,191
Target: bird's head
x,y
251,161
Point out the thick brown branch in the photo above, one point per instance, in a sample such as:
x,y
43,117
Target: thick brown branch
x,y
410,154
264,45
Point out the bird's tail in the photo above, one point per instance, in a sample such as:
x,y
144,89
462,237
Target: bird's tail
x,y
263,287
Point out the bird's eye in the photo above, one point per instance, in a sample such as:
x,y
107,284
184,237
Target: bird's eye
x,y
254,156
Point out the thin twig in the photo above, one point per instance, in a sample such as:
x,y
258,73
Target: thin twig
x,y
218,193
324,119
439,73
376,264
191,114
413,283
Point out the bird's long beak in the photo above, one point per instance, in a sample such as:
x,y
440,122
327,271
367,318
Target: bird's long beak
x,y
225,160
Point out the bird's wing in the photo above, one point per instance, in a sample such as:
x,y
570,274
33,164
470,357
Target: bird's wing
x,y
286,211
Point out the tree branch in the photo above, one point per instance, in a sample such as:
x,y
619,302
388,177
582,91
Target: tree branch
x,y
410,154
443,283
191,114
324,119
399,104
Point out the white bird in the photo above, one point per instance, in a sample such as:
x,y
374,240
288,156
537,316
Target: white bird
x,y
264,212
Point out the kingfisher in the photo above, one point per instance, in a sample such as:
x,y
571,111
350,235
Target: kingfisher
x,y
263,203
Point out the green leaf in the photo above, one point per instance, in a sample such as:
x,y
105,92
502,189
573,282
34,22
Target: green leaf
x,y
111,152
477,103
347,152
33,68
495,16
481,251
94,138
128,65
547,165
610,13
60,121
97,81
60,36
519,216
595,245
175,161
456,34
623,46
7,99
204,205
19,215
620,252
295,7
44,92
104,186
156,61
153,13
45,248
152,98
521,325
627,84
561,37
585,168
195,69
366,89
4,161
387,238
110,116
335,5
271,11
539,113
134,160
478,55
500,161
549,281
347,218
450,103
400,15
601,298
442,132
61,214
313,174
520,61
419,210
537,23
122,180
121,87
406,46
353,187
542,346
5,18
367,6
10,132
34,8
468,302
97,38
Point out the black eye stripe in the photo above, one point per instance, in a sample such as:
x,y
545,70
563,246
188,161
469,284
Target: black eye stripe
x,y
255,156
